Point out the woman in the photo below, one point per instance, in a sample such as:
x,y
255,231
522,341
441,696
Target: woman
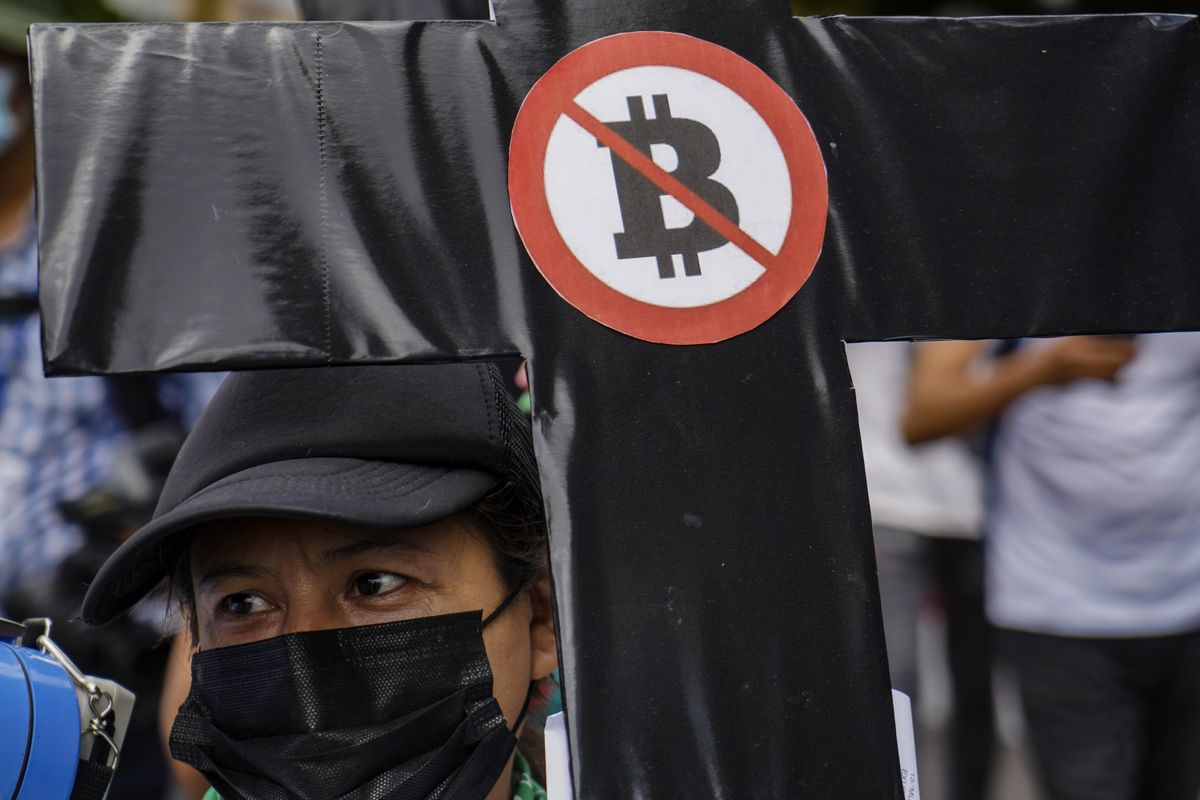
x,y
361,555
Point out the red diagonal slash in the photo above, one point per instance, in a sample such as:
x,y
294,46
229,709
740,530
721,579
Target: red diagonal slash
x,y
669,184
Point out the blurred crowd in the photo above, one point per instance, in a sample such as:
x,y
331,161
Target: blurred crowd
x,y
82,459
1039,499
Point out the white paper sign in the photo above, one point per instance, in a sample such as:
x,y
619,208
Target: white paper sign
x,y
558,759
907,745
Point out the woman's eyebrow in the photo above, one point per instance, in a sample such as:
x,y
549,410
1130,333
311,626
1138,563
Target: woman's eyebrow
x,y
371,544
234,571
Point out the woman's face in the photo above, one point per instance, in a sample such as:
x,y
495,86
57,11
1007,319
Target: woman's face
x,y
257,578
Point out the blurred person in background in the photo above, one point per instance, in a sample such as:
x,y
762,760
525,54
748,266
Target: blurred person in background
x,y
1093,546
927,511
81,459
60,440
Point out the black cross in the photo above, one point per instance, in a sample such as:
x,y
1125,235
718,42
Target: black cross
x,y
249,195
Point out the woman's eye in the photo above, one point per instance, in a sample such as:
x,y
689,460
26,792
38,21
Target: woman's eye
x,y
242,604
369,584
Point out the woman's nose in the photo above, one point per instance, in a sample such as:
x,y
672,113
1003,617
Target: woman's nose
x,y
311,615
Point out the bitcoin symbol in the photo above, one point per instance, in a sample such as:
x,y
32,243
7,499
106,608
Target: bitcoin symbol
x,y
699,155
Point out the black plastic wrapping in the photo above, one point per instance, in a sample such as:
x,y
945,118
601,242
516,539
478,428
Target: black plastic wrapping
x,y
225,196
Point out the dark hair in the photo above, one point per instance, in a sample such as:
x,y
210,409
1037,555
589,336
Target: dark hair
x,y
513,520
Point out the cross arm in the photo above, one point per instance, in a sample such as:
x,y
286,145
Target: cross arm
x,y
262,179
1008,176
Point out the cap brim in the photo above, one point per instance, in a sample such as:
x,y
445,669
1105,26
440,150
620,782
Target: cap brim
x,y
344,491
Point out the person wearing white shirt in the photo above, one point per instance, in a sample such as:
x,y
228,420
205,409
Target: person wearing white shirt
x,y
1093,547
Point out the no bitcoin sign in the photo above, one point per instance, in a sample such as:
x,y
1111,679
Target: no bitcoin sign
x,y
667,188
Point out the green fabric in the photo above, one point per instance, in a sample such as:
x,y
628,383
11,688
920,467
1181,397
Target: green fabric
x,y
524,786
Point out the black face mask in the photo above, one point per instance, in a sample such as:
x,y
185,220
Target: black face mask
x,y
402,710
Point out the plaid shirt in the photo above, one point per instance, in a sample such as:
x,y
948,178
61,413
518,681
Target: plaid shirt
x,y
59,437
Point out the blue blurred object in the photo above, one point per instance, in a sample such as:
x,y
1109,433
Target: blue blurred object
x,y
39,743
44,740
15,728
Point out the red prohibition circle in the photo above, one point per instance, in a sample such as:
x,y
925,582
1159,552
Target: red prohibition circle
x,y
550,99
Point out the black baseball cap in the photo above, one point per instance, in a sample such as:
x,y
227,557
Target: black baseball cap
x,y
379,446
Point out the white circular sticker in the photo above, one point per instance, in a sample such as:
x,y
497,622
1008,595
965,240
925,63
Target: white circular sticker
x,y
666,187
642,242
